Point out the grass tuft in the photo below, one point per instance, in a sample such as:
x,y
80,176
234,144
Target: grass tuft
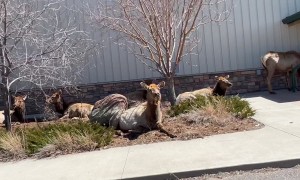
x,y
215,106
12,145
65,137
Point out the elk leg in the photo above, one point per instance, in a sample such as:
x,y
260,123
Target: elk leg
x,y
139,130
287,80
65,117
269,78
161,129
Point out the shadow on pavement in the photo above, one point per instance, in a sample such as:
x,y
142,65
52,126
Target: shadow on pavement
x,y
281,96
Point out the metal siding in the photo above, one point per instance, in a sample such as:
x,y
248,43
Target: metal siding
x,y
232,47
253,28
132,67
217,47
292,29
201,50
284,12
209,48
241,62
117,61
225,47
246,25
124,63
254,31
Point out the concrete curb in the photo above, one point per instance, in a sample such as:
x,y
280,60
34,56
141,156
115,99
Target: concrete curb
x,y
245,167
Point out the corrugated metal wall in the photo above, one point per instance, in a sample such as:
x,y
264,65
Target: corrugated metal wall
x,y
254,28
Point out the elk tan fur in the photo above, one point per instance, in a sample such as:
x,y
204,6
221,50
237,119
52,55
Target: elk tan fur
x,y
2,116
81,110
281,62
76,110
219,89
113,111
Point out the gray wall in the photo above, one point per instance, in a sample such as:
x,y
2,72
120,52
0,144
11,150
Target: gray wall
x,y
254,28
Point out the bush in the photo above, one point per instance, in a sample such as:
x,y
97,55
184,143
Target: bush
x,y
239,108
68,136
231,104
188,106
12,145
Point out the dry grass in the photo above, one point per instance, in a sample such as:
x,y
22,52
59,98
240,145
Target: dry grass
x,y
213,113
51,139
215,106
12,145
216,109
66,143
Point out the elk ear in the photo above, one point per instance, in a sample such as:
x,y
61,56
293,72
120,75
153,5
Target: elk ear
x,y
227,76
59,92
144,85
161,84
216,77
24,97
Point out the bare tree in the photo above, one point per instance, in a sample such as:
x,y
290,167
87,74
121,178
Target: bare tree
x,y
160,33
40,46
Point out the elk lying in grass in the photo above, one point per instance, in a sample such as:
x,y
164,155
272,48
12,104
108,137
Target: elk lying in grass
x,y
2,116
219,90
76,110
281,62
113,111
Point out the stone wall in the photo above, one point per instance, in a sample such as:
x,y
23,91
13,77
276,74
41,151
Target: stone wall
x,y
243,82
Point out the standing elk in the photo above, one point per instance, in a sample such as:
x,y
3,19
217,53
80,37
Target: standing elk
x,y
279,61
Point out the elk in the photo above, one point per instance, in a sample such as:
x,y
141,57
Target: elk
x,y
279,61
18,108
219,89
113,111
58,101
81,110
2,116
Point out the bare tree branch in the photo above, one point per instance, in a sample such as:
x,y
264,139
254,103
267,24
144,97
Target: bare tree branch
x,y
40,45
162,31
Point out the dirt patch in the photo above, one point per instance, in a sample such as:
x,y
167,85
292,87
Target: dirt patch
x,y
196,124
186,130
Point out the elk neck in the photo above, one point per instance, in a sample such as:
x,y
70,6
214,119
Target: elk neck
x,y
153,110
61,106
218,90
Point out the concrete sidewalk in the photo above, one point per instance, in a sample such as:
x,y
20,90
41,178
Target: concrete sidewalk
x,y
278,143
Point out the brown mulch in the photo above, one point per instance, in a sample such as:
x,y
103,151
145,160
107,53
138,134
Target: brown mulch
x,y
188,126
185,130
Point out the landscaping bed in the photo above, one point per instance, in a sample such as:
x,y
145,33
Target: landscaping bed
x,y
196,119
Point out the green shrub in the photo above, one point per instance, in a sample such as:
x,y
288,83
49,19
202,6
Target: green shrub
x,y
233,104
36,138
188,106
239,108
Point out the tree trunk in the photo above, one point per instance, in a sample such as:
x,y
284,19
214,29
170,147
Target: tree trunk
x,y
171,90
7,101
